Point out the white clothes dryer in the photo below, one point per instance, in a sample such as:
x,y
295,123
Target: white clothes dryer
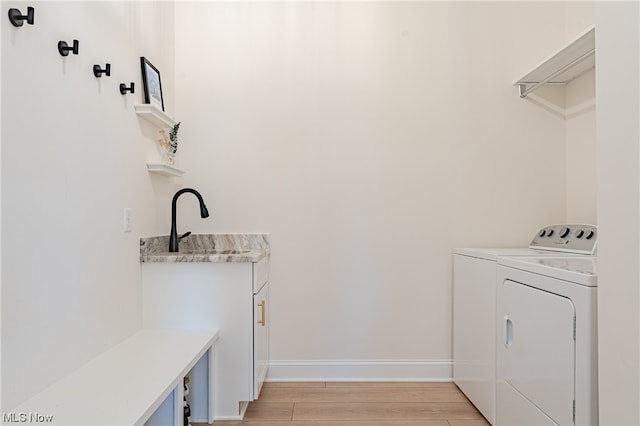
x,y
475,295
547,354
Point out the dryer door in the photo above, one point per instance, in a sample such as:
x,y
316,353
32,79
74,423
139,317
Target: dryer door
x,y
538,348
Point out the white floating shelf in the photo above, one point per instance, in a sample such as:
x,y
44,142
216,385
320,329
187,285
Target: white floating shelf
x,y
570,62
164,169
154,115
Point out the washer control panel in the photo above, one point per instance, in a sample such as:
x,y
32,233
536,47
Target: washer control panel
x,y
570,238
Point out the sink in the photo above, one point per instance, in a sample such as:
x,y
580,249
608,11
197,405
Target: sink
x,y
216,251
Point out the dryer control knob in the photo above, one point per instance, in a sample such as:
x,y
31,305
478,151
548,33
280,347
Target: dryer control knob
x,y
549,232
542,233
590,235
580,233
564,232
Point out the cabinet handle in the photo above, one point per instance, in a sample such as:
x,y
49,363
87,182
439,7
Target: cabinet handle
x,y
263,321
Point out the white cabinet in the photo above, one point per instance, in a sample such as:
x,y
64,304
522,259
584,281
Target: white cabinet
x,y
261,324
136,382
231,297
260,338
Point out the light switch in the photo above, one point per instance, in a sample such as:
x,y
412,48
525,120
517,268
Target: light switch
x,y
128,219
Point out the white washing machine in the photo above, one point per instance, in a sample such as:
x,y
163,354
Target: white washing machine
x,y
475,296
547,353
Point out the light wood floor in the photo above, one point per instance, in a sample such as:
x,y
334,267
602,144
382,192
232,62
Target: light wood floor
x,y
361,404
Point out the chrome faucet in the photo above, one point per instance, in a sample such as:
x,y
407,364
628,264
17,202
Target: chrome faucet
x,y
173,238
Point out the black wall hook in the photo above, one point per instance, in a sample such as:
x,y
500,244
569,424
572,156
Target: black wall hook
x,y
17,18
97,71
124,89
64,48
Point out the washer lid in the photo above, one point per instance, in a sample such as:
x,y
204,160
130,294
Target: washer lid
x,y
493,253
577,269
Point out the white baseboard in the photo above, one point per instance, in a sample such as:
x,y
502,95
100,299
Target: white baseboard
x,y
410,370
347,370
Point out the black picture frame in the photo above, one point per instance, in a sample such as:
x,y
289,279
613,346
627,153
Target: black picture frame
x,y
151,83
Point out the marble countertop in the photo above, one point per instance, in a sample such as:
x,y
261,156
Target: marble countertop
x,y
212,248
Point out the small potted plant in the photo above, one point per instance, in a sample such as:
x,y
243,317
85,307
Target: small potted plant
x,y
168,143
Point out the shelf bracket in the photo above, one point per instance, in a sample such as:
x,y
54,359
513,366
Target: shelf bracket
x,y
521,89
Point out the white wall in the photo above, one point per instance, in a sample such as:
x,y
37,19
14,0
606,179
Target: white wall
x,y
580,126
574,102
73,156
618,109
369,139
581,152
579,15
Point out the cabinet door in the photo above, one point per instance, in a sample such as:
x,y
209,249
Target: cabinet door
x,y
260,338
